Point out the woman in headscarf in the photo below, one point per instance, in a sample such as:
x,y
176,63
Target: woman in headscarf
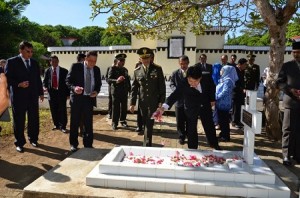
x,y
224,99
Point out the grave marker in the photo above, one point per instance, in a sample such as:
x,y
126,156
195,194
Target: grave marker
x,y
251,118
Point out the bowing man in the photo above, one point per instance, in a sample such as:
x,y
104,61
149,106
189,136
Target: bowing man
x,y
197,102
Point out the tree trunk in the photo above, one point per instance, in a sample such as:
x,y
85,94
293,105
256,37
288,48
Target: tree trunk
x,y
271,108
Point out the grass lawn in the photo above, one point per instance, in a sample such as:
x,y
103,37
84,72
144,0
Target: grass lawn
x,y
45,120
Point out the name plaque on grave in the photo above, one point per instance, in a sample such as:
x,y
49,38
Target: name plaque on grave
x,y
247,118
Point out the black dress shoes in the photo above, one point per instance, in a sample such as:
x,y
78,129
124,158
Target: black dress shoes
x,y
218,148
20,149
34,144
73,149
114,127
138,129
55,128
286,161
181,141
124,124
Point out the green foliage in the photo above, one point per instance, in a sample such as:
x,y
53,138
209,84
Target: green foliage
x,y
89,36
117,39
10,34
150,19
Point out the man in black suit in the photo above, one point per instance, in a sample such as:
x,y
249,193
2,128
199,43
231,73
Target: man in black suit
x,y
84,81
55,83
178,77
23,75
239,94
119,81
197,102
204,66
289,82
149,84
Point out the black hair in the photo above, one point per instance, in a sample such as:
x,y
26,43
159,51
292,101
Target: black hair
x,y
242,61
194,72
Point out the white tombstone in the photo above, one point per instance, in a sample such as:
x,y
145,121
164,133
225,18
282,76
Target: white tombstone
x,y
251,119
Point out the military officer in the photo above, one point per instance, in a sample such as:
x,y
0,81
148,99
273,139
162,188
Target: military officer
x,y
119,81
149,84
252,74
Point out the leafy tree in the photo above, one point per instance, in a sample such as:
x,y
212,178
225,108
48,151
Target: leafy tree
x,y
150,19
115,39
10,34
89,36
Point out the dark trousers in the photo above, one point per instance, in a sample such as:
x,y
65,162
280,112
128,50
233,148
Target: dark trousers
x,y
181,121
19,111
82,106
291,133
224,124
236,112
109,101
205,114
139,118
148,122
58,108
119,108
208,125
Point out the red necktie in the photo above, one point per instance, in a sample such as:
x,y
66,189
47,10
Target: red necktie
x,y
54,79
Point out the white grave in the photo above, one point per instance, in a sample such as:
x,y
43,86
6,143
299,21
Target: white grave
x,y
234,178
251,119
244,174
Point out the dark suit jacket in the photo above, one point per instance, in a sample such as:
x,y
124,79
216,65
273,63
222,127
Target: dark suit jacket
x,y
208,67
150,88
289,77
193,99
17,72
176,79
119,89
75,78
238,92
63,90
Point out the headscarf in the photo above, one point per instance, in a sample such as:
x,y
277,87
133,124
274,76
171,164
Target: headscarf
x,y
229,73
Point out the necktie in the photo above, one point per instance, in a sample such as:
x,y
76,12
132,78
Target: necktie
x,y
88,81
54,79
27,64
146,70
184,74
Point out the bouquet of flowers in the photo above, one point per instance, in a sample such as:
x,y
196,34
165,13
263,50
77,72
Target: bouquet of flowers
x,y
157,116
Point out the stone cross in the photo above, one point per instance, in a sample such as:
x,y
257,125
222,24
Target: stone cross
x,y
251,119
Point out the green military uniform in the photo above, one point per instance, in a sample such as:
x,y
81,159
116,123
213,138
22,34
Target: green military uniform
x,y
119,92
149,85
252,75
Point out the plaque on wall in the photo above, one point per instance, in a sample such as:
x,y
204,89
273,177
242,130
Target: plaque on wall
x,y
175,47
247,118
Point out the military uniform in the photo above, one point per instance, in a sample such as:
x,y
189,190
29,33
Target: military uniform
x,y
119,92
149,85
252,75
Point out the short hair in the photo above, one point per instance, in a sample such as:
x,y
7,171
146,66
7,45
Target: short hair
x,y
92,53
53,57
242,61
234,56
24,44
194,72
2,61
80,57
203,55
184,58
